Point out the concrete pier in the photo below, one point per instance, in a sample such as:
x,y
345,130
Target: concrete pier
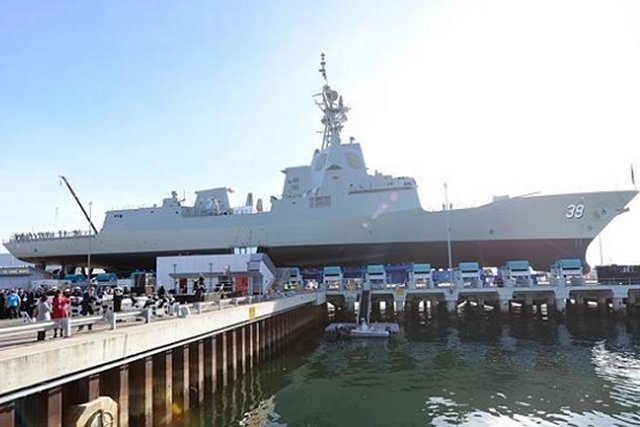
x,y
180,379
531,300
163,387
147,374
115,384
140,392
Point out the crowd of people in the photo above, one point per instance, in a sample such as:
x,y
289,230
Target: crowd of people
x,y
15,301
40,305
43,304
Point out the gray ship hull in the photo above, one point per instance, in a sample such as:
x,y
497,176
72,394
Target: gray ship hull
x,y
541,253
538,229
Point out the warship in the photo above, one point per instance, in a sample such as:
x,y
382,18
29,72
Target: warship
x,y
333,211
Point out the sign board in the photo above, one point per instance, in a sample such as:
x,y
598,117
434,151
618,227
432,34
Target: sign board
x,y
14,271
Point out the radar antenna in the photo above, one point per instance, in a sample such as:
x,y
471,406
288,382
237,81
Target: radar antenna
x,y
335,113
322,69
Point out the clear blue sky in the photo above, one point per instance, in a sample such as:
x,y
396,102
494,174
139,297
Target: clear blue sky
x,y
131,100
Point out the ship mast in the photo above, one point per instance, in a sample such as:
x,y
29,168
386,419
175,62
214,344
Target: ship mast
x,y
335,113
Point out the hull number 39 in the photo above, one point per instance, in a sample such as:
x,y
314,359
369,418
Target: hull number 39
x,y
574,211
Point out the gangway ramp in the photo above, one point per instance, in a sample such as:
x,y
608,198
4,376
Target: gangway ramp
x,y
375,279
364,310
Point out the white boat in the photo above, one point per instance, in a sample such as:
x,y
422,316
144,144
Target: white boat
x,y
332,211
362,330
365,330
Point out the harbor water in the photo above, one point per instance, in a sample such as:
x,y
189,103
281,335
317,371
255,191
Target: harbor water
x,y
476,372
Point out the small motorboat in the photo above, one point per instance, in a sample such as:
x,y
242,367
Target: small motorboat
x,y
364,330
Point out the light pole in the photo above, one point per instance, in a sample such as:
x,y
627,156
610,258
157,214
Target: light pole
x,y
447,209
211,277
600,247
89,253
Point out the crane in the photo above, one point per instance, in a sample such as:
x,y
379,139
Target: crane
x,y
73,193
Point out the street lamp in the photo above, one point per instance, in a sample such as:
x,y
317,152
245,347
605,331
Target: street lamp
x,y
89,253
448,208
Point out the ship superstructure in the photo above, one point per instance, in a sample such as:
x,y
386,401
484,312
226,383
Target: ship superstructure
x,y
333,211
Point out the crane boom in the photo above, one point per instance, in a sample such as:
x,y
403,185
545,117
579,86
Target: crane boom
x,y
73,193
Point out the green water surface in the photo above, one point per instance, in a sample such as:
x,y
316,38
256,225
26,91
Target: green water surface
x,y
487,373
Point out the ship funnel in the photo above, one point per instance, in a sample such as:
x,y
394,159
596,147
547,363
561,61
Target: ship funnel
x,y
259,205
249,200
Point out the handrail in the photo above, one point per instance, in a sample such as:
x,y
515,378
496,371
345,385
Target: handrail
x,y
29,327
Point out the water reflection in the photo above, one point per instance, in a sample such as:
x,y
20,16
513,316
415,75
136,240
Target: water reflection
x,y
584,372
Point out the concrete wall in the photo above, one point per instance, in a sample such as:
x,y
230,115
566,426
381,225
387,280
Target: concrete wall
x,y
158,372
21,368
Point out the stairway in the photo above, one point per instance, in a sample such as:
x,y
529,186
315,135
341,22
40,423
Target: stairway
x,y
364,310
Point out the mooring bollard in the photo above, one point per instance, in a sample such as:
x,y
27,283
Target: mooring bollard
x,y
184,311
172,309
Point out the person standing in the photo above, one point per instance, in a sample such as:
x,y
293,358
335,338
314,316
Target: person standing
x,y
88,303
117,300
31,302
23,301
43,313
13,304
3,302
199,292
60,311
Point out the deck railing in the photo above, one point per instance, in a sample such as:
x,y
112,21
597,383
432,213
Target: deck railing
x,y
50,235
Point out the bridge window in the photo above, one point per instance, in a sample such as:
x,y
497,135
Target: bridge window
x,y
245,250
319,201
